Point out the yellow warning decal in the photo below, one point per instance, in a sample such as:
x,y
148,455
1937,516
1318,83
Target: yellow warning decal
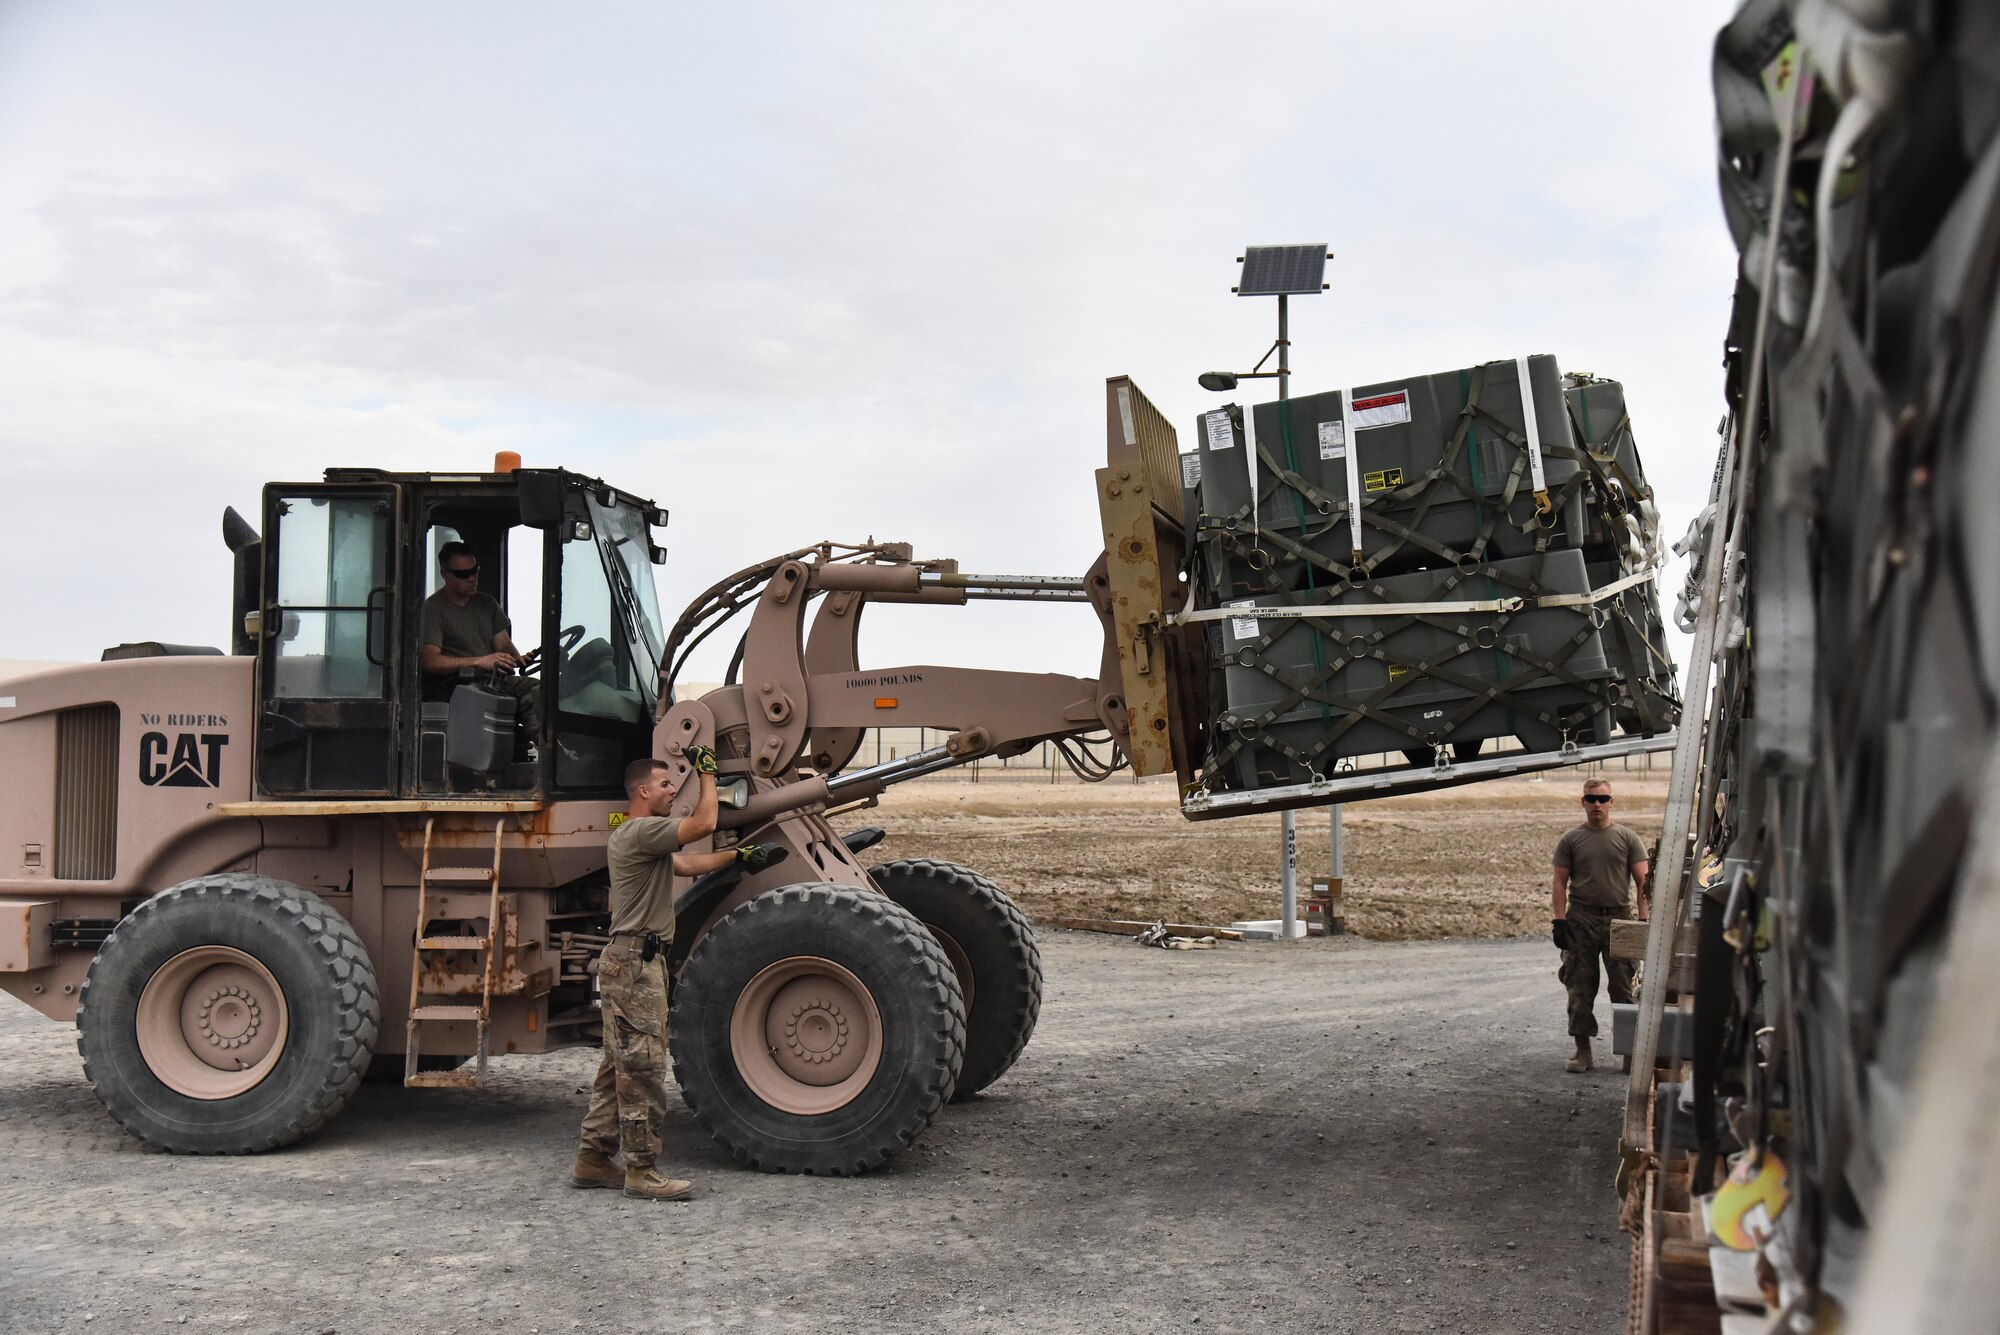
x,y
1382,479
616,819
1397,670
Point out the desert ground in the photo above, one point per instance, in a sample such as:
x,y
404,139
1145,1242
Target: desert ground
x,y
1470,861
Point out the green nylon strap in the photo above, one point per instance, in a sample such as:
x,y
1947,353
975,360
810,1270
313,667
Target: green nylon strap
x,y
1288,435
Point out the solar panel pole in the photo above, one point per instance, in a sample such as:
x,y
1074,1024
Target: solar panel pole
x,y
1288,882
1279,271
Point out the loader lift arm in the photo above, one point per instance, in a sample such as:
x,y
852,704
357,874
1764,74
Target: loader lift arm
x,y
801,703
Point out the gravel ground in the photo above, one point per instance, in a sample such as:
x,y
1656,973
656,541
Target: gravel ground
x,y
1319,1136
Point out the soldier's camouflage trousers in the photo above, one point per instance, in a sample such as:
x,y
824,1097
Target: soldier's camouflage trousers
x,y
629,1096
1590,941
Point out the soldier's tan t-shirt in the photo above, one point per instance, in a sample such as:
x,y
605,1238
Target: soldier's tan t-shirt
x,y
463,632
641,857
1599,864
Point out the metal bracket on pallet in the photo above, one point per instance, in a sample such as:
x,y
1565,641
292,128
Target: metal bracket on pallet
x,y
1356,784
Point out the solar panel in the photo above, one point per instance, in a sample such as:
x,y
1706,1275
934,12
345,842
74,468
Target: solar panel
x,y
1276,271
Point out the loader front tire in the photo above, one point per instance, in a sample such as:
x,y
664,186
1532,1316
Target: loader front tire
x,y
816,1029
228,1015
991,947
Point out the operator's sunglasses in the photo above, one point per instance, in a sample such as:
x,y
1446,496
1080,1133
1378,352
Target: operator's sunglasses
x,y
1597,799
465,572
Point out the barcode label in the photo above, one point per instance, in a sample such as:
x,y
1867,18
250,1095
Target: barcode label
x,y
1191,469
1221,431
1332,440
1244,628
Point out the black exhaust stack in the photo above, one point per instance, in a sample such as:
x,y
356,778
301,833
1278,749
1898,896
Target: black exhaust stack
x,y
248,578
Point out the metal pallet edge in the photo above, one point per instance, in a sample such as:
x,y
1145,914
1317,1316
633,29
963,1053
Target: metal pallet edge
x,y
1413,779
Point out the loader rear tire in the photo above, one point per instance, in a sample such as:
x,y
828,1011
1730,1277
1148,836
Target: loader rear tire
x,y
228,1015
816,1029
993,950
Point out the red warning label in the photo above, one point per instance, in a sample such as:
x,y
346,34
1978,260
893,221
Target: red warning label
x,y
1380,409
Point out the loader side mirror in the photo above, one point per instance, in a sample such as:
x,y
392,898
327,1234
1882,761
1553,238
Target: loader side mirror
x,y
540,496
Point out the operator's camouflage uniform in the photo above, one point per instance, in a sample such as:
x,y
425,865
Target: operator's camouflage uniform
x,y
628,1100
629,1096
1589,941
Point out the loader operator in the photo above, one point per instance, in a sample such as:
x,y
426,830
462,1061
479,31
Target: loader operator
x,y
1595,865
464,628
628,1098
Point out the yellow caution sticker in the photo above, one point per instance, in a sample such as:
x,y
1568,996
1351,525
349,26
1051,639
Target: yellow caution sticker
x,y
1397,670
1382,479
616,819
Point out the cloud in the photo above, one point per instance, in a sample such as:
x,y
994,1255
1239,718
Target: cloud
x,y
793,272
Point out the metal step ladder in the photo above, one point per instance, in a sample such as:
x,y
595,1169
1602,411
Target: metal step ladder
x,y
422,1013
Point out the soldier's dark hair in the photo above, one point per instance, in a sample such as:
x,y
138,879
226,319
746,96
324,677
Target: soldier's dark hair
x,y
451,549
639,773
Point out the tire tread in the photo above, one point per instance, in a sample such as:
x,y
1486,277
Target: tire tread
x,y
1023,1004
921,1101
342,955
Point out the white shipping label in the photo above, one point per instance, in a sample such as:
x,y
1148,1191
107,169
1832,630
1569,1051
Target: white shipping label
x,y
1332,440
1221,431
1191,469
1381,409
1244,628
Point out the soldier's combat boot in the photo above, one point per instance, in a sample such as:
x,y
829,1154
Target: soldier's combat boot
x,y
1581,1061
595,1169
649,1184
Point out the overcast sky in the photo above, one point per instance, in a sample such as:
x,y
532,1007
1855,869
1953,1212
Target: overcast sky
x,y
794,271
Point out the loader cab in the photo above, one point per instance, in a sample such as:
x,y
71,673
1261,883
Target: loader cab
x,y
346,709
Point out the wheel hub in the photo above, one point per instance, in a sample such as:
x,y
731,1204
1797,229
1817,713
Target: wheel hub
x,y
225,1017
212,1022
805,1034
815,1032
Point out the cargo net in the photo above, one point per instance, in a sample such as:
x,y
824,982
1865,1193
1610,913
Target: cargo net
x,y
1427,646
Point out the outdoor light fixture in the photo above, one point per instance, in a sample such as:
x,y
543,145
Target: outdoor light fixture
x,y
1282,272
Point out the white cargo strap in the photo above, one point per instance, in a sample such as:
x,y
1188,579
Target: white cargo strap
x,y
1250,458
1354,610
1353,454
1610,590
1534,436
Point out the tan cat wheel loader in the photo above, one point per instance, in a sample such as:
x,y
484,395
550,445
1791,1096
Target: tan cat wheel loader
x,y
256,878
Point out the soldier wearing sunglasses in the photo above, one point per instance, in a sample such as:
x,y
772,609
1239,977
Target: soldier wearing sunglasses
x,y
464,628
1597,864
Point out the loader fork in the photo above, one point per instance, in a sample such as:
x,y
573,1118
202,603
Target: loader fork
x,y
422,1013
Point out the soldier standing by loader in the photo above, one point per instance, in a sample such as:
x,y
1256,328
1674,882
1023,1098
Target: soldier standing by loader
x,y
628,1097
1588,892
